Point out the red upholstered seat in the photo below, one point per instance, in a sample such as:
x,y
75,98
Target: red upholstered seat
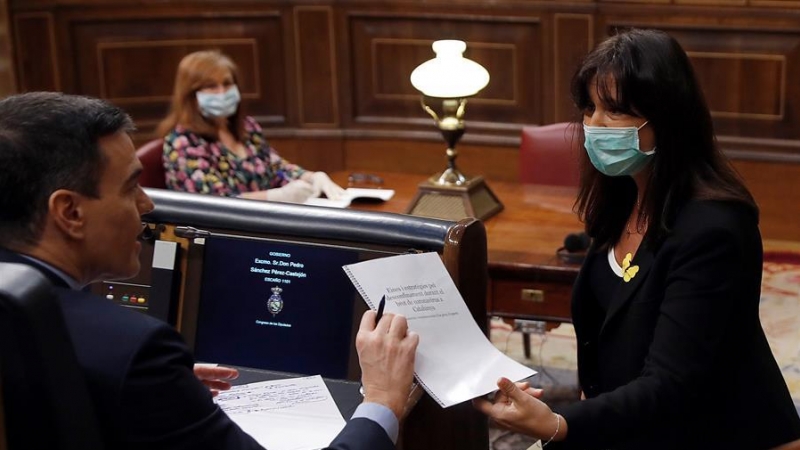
x,y
549,154
150,154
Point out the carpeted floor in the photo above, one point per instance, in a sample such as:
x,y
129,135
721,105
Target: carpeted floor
x,y
553,354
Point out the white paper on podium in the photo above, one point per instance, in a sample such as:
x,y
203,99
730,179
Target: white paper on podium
x,y
288,414
455,362
350,195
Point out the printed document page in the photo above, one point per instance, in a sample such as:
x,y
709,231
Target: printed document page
x,y
352,194
289,414
455,361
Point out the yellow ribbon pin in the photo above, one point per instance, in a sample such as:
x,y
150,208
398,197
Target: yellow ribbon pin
x,y
628,271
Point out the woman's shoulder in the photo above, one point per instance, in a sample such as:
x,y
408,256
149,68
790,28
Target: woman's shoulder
x,y
184,135
251,125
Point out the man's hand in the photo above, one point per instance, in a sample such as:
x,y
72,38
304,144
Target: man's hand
x,y
517,407
215,377
386,353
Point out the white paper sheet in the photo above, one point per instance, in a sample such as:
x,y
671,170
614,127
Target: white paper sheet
x,y
350,195
455,361
289,414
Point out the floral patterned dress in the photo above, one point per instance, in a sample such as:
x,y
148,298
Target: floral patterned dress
x,y
194,164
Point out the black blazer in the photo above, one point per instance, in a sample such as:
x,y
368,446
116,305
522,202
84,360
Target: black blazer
x,y
140,376
680,360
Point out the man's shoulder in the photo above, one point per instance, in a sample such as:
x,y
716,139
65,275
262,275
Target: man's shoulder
x,y
92,318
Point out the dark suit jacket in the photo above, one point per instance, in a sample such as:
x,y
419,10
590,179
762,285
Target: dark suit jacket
x,y
140,375
680,360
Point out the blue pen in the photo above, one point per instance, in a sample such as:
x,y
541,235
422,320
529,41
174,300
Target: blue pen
x,y
381,305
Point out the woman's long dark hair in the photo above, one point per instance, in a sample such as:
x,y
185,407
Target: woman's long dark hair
x,y
651,77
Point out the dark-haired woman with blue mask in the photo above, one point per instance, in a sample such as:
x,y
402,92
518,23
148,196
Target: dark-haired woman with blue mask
x,y
212,147
671,353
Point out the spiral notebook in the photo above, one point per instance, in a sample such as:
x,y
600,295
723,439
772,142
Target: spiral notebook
x,y
455,361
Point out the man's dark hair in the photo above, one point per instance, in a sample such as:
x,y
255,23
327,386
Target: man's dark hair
x,y
48,141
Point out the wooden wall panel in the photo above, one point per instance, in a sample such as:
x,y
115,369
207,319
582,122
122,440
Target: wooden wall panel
x,y
385,50
135,66
35,49
8,78
746,75
316,66
573,39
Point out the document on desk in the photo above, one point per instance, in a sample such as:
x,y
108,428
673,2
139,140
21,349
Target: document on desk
x,y
351,195
288,414
455,362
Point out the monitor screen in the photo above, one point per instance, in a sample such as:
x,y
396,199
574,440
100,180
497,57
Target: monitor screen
x,y
278,305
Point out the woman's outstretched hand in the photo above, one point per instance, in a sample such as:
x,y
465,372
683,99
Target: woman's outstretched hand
x,y
516,406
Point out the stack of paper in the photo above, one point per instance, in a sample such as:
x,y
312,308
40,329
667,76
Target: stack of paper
x,y
455,362
289,414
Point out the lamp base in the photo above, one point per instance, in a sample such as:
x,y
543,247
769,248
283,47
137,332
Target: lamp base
x,y
471,199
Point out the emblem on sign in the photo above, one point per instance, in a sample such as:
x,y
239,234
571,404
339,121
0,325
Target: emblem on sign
x,y
275,302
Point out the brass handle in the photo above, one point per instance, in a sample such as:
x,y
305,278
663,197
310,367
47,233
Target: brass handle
x,y
533,295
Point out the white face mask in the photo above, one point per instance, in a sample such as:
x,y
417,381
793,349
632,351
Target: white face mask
x,y
219,106
615,151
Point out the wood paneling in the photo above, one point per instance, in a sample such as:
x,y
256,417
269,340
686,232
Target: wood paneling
x,y
316,66
8,80
387,48
746,75
134,66
573,39
35,49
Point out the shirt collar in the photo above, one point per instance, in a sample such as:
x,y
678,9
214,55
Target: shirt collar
x,y
71,282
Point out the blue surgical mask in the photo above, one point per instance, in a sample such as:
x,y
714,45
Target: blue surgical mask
x,y
614,151
219,106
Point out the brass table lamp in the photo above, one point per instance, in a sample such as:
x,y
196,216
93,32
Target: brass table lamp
x,y
446,82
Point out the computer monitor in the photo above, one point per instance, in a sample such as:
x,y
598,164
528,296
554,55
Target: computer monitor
x,y
279,305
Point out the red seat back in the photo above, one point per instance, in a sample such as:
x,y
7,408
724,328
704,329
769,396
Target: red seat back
x,y
151,154
549,154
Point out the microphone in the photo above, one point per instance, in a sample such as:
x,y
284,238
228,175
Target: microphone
x,y
574,249
191,233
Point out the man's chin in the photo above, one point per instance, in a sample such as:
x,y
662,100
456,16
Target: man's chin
x,y
121,274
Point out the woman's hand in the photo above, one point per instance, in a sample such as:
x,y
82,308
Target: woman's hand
x,y
295,191
215,377
323,184
517,407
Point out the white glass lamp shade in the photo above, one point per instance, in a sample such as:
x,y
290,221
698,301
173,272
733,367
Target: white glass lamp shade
x,y
449,74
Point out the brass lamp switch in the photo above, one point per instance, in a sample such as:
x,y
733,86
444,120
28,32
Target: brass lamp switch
x,y
533,295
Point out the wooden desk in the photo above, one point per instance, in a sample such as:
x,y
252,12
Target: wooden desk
x,y
526,278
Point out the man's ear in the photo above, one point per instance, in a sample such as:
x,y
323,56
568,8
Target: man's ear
x,y
67,212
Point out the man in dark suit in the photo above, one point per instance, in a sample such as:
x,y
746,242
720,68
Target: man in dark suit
x,y
70,206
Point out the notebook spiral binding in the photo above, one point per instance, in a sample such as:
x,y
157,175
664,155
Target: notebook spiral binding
x,y
359,288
